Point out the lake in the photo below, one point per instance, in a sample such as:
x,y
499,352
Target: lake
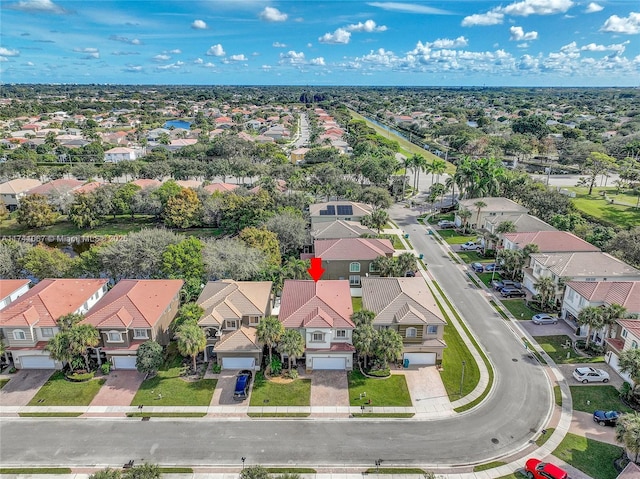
x,y
177,124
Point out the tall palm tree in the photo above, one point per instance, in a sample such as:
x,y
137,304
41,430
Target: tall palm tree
x,y
479,205
629,362
364,334
610,314
464,215
450,184
506,227
58,348
546,289
190,339
628,433
291,344
388,346
269,332
591,316
81,338
438,166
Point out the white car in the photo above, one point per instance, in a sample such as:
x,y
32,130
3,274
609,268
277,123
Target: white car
x,y
470,245
544,318
590,375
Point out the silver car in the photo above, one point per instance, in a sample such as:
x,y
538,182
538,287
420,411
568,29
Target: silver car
x,y
590,375
544,318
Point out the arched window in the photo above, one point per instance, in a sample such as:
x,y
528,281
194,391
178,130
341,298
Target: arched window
x,y
19,334
411,332
354,267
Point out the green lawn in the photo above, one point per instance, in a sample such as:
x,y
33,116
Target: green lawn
x,y
591,457
390,391
488,277
599,208
519,309
597,397
554,347
517,475
395,241
168,388
3,383
111,226
357,303
444,216
624,196
488,465
473,257
269,393
453,237
57,391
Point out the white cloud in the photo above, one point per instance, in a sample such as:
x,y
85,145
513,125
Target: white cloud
x,y
483,19
536,7
619,48
270,14
161,58
3,59
131,41
29,64
170,66
5,52
198,61
309,45
368,26
133,68
85,50
278,45
461,41
628,25
210,65
408,8
175,51
593,8
518,34
238,58
199,25
37,6
318,61
339,36
216,51
292,58
527,62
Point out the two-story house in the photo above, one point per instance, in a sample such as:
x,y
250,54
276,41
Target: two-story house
x,y
522,221
321,311
11,191
120,153
351,258
232,310
627,336
12,289
407,306
341,229
31,320
548,242
495,207
337,210
132,312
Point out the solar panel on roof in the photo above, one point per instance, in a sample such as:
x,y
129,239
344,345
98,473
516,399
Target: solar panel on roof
x,y
345,210
331,210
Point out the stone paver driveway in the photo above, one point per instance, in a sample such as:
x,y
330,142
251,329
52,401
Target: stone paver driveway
x,y
427,391
329,388
223,393
23,385
119,389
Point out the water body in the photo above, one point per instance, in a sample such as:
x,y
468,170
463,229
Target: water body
x,y
388,128
178,124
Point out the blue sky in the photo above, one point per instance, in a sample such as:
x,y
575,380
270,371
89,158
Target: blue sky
x,y
240,42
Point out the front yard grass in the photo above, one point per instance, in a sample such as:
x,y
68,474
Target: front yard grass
x,y
395,240
395,470
488,277
357,303
591,457
453,237
519,309
3,383
57,391
590,398
390,391
554,347
473,257
168,388
35,470
269,393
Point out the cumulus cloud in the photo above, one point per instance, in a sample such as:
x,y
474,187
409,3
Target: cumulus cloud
x,y
619,48
85,50
537,7
6,52
292,58
369,26
628,25
518,34
37,6
198,61
593,8
170,66
216,51
270,14
408,8
121,53
278,45
199,25
175,51
238,58
461,41
133,69
340,36
131,41
161,58
317,61
483,19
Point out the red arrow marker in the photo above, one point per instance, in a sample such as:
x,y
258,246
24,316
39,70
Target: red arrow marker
x,y
316,269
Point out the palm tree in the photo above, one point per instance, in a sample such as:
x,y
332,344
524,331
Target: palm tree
x,y
58,348
364,335
479,205
377,219
628,433
546,289
438,166
610,314
464,215
591,316
388,346
629,362
291,344
384,265
269,332
450,184
190,339
506,227
81,338
405,262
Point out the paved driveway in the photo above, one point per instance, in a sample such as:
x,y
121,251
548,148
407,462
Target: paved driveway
x,y
614,380
582,424
427,391
329,388
23,385
119,390
561,328
223,393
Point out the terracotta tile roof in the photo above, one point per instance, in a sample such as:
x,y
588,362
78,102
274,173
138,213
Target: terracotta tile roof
x,y
61,185
334,348
400,300
632,325
585,264
18,185
551,241
340,229
352,248
8,286
324,302
222,187
624,293
39,345
88,187
146,183
134,303
228,299
133,346
241,340
189,183
119,149
48,300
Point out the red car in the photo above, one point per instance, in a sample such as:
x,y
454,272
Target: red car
x,y
536,469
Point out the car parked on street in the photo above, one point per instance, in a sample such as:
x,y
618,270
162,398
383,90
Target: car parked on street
x,y
512,293
536,469
590,375
477,267
544,318
444,224
505,283
606,418
243,381
470,246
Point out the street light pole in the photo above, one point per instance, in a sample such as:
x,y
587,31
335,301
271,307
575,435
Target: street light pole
x,y
243,459
462,378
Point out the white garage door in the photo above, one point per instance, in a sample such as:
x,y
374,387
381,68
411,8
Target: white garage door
x,y
37,362
238,363
328,363
124,362
420,358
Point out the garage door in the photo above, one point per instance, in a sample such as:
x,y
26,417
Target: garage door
x,y
124,362
37,362
420,358
238,363
328,363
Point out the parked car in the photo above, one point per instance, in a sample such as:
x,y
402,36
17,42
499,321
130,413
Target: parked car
x,y
505,283
477,267
536,469
606,418
512,293
446,224
243,381
590,375
544,318
470,245
492,267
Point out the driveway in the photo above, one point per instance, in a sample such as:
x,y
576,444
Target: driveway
x,y
329,388
24,384
427,391
223,393
582,424
614,380
560,328
119,389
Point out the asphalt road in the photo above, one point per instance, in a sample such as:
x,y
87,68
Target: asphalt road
x,y
514,412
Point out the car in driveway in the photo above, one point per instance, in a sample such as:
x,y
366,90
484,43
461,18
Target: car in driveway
x,y
492,267
243,381
505,283
544,318
470,246
444,224
536,469
512,293
477,267
590,375
606,418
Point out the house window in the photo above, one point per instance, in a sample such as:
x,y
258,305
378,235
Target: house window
x,y
590,279
140,334
354,267
624,333
19,334
373,269
411,332
634,345
354,280
317,337
254,320
46,332
232,324
115,337
341,333
432,329
570,295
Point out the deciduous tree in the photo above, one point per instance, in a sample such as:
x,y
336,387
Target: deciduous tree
x,y
36,212
263,240
149,358
183,210
44,262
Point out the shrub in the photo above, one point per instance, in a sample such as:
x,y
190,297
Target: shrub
x,y
80,377
275,366
216,368
106,368
291,374
380,373
626,391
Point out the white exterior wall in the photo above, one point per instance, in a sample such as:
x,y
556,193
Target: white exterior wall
x,y
13,296
33,352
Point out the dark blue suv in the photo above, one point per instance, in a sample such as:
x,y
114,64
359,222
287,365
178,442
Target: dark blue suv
x,y
243,380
